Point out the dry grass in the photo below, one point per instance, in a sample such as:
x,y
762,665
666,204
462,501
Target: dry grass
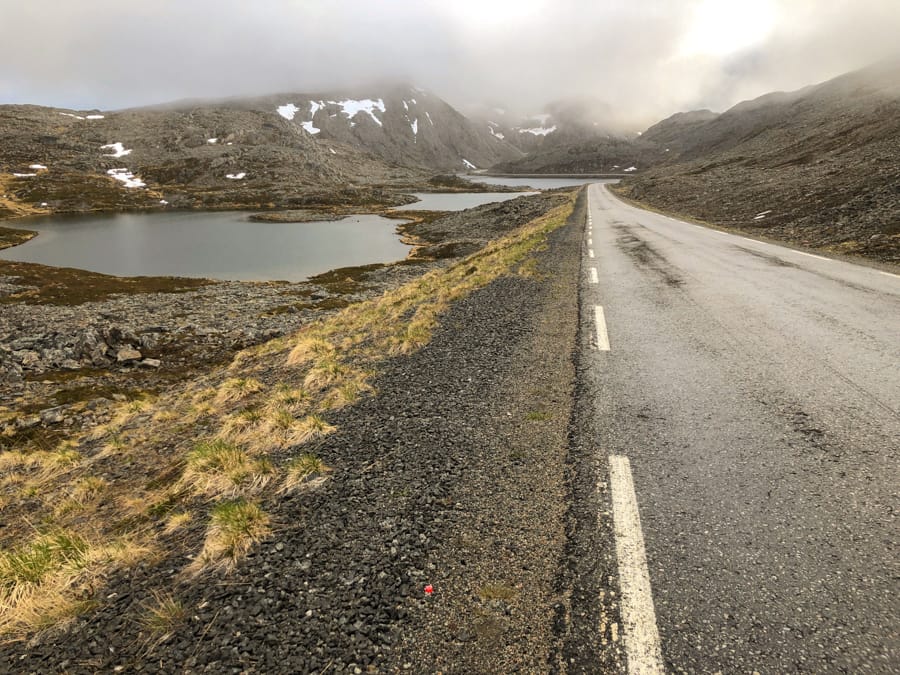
x,y
218,468
164,614
40,580
237,388
234,528
302,471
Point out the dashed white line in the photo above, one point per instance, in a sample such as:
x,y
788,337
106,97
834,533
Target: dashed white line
x,y
590,242
590,253
600,326
811,255
594,278
638,615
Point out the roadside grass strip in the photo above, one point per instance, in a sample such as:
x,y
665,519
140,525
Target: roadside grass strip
x,y
214,450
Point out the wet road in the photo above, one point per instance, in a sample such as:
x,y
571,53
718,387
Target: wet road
x,y
755,391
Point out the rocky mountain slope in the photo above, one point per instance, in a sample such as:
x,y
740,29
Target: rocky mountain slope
x,y
818,167
286,150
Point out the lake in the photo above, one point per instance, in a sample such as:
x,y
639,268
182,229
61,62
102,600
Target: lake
x,y
214,245
538,183
457,201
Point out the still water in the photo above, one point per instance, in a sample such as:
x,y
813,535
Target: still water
x,y
538,183
214,245
457,201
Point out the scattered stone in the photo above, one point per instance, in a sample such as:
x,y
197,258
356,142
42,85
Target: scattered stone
x,y
151,363
127,354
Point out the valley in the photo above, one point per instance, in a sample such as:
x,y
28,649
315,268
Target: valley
x,y
322,382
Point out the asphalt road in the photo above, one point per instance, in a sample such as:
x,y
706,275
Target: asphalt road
x,y
755,390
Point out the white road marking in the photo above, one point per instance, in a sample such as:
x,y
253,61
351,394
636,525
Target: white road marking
x,y
590,242
594,278
889,274
590,253
602,335
638,614
813,256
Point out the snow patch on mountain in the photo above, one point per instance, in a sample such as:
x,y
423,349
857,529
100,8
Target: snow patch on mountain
x,y
538,131
310,127
236,176
118,150
127,178
38,167
288,110
469,164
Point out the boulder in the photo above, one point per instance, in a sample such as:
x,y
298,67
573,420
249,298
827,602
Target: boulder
x,y
127,355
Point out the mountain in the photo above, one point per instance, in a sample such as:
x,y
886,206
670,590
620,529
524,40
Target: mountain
x,y
269,151
819,166
582,135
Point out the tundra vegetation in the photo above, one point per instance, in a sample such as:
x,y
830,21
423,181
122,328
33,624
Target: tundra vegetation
x,y
187,473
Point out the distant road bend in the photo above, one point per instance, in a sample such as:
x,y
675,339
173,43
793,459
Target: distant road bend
x,y
747,428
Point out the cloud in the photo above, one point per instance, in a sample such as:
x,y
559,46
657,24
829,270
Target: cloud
x,y
523,53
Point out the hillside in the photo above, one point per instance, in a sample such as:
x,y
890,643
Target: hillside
x,y
282,151
818,167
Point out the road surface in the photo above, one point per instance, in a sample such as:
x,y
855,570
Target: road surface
x,y
752,392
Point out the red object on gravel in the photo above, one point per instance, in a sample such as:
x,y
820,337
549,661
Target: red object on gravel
x,y
429,589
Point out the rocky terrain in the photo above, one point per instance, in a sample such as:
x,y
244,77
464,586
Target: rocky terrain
x,y
331,574
818,167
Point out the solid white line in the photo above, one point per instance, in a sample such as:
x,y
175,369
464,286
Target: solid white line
x,y
889,274
594,278
638,615
590,253
813,256
602,335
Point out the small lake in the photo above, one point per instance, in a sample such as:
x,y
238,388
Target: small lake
x,y
214,245
538,183
457,201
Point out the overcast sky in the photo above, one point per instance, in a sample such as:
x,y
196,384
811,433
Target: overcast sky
x,y
647,58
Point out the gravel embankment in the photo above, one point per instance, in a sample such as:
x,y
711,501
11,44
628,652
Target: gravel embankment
x,y
454,475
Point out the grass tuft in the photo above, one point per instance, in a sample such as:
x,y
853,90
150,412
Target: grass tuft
x,y
302,470
234,527
221,468
164,614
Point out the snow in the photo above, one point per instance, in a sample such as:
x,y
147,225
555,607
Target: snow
x,y
24,175
350,108
310,127
288,110
353,107
469,164
332,151
405,106
163,202
127,178
495,134
413,101
236,176
538,131
77,117
44,205
415,126
95,117
117,148
38,167
615,166
630,169
429,117
762,214
212,141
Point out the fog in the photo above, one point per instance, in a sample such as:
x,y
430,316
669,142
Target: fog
x,y
646,59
